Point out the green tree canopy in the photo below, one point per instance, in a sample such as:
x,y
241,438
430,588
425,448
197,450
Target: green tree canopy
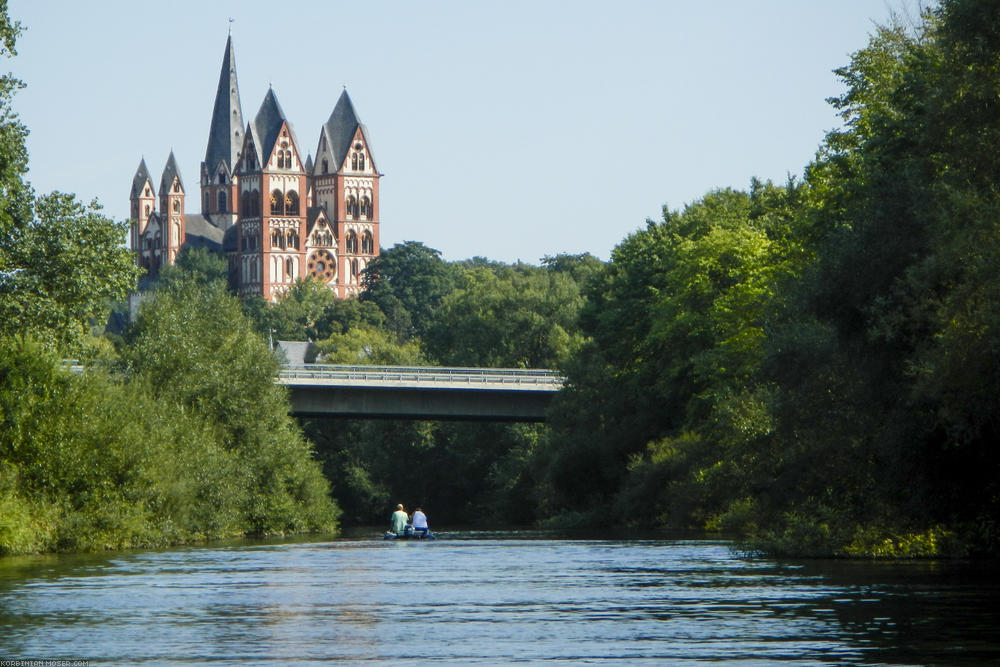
x,y
407,282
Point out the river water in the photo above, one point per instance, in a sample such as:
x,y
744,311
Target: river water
x,y
492,598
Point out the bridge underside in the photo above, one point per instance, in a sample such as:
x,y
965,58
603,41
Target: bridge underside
x,y
410,403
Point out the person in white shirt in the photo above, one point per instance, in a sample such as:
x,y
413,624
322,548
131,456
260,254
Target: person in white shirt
x,y
420,521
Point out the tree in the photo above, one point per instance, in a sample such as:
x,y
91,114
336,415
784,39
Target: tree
x,y
507,317
198,265
65,268
886,401
664,394
193,344
61,263
407,283
366,345
300,313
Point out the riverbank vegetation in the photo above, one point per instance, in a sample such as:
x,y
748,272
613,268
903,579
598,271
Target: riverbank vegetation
x,y
175,433
810,366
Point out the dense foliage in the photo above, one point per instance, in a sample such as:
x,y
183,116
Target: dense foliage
x,y
816,365
179,434
812,366
474,313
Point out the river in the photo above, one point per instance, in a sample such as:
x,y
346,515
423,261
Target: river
x,y
492,598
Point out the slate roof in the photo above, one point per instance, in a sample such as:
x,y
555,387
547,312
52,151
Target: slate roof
x,y
340,129
267,124
169,173
225,136
200,232
140,178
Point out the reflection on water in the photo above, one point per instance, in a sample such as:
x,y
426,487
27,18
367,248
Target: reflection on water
x,y
492,599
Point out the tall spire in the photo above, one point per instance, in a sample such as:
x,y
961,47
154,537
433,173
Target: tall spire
x,y
225,137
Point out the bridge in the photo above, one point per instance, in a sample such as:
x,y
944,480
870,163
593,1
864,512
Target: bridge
x,y
420,392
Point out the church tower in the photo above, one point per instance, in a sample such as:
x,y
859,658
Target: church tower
x,y
225,139
171,211
143,207
272,211
346,188
277,214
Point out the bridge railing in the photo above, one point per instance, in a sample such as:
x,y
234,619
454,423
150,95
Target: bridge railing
x,y
543,378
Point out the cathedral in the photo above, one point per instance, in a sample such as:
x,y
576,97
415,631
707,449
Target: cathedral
x,y
275,215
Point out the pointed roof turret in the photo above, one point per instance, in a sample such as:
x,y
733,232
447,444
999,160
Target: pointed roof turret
x,y
308,165
170,172
341,127
225,137
140,179
267,124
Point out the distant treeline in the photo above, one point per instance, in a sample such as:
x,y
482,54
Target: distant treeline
x,y
811,367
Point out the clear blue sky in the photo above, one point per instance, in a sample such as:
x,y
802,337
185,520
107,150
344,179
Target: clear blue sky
x,y
510,130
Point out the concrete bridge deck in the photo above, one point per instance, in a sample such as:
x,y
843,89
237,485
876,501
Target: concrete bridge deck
x,y
400,392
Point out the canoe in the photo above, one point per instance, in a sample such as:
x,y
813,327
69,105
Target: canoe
x,y
409,535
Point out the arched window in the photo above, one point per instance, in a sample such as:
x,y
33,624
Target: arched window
x,y
326,166
292,203
276,239
177,186
147,210
322,237
367,244
288,159
361,161
292,240
289,269
352,207
352,242
177,206
222,178
366,207
354,161
255,203
222,203
281,159
277,199
354,270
